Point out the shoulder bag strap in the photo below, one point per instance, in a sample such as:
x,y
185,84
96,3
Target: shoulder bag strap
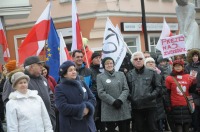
x,y
180,88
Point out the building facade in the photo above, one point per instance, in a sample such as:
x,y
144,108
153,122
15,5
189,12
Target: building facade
x,y
93,15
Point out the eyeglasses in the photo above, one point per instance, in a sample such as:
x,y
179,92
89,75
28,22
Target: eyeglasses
x,y
136,59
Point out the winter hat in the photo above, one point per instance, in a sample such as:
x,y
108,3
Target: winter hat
x,y
18,76
11,65
105,59
160,59
65,65
180,62
32,60
95,54
148,59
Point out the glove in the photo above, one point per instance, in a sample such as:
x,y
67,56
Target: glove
x,y
117,103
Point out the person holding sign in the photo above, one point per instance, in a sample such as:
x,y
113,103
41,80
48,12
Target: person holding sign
x,y
193,68
188,26
178,108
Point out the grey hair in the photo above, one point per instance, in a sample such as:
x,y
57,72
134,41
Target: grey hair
x,y
27,67
136,53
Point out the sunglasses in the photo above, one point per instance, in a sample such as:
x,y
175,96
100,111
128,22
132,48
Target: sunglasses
x,y
136,59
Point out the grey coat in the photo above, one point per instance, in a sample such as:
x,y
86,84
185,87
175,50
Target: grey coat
x,y
109,88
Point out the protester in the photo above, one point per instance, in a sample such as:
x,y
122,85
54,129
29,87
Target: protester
x,y
178,106
2,108
84,73
113,91
51,81
74,101
87,52
150,63
94,67
146,54
193,66
10,66
164,66
33,68
25,110
126,65
144,85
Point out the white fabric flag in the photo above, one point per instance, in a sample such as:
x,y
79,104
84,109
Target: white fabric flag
x,y
113,45
63,55
166,32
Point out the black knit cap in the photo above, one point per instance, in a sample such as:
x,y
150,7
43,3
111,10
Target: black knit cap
x,y
65,65
95,54
105,59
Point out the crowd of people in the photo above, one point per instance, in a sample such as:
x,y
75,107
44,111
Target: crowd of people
x,y
147,94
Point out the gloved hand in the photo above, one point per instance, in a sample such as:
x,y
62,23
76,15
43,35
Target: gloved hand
x,y
117,103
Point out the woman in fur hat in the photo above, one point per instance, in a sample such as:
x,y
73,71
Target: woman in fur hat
x,y
193,66
25,110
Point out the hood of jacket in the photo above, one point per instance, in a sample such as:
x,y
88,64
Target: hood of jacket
x,y
17,95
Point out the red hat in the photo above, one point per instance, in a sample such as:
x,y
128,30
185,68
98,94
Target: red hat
x,y
180,62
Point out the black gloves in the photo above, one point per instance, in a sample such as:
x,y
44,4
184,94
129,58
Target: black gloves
x,y
117,103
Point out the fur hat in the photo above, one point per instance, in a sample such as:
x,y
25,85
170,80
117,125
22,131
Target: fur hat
x,y
95,54
105,59
65,65
11,65
148,59
32,60
18,76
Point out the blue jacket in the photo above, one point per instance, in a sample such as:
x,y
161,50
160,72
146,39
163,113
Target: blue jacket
x,y
71,100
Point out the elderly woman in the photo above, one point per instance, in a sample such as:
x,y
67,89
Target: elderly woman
x,y
74,101
113,91
25,110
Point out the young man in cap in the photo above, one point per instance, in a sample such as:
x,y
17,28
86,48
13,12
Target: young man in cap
x,y
94,67
33,68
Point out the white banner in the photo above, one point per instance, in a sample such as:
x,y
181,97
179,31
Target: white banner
x,y
113,45
174,45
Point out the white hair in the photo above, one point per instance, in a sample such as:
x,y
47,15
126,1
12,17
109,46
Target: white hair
x,y
135,54
27,67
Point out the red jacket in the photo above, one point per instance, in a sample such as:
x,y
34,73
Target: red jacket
x,y
176,97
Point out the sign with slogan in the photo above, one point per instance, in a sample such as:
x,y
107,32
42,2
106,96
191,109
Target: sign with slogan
x,y
174,45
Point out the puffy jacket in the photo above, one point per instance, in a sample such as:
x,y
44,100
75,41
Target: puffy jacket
x,y
27,112
145,86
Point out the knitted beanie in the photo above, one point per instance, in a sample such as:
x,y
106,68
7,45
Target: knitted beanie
x,y
105,59
11,65
65,65
18,76
95,54
147,60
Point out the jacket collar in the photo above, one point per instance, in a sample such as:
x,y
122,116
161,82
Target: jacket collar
x,y
18,95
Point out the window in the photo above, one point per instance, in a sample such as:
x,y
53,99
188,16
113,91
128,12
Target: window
x,y
153,39
133,42
196,3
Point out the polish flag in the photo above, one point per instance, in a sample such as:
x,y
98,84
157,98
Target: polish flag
x,y
35,40
166,32
64,53
3,42
76,32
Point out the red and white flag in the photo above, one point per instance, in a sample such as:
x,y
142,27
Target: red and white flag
x,y
76,32
4,44
35,40
166,32
64,53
